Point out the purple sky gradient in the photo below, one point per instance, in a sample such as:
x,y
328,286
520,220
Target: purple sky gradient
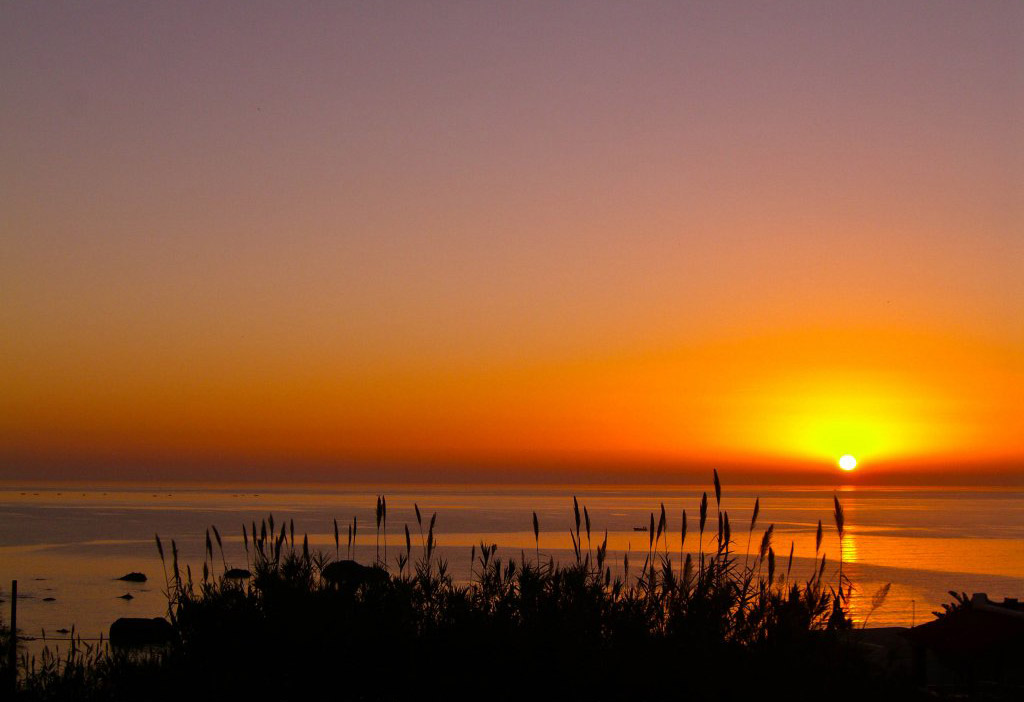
x,y
197,197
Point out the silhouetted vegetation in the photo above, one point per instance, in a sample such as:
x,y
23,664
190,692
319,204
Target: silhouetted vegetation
x,y
704,624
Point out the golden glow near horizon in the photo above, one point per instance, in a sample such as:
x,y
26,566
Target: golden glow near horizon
x,y
766,400
847,462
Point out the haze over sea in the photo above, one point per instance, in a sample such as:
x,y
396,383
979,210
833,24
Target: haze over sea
x,y
69,542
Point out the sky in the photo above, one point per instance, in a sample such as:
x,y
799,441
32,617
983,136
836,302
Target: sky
x,y
511,241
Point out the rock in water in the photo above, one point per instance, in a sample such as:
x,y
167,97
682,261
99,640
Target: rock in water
x,y
348,576
134,577
126,596
130,631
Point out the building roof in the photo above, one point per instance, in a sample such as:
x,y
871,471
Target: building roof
x,y
980,626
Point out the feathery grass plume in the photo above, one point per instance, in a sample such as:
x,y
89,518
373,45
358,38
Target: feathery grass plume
x,y
245,542
876,601
430,538
220,546
771,566
536,536
682,535
750,532
789,564
720,532
650,546
728,533
209,545
337,545
817,539
163,563
384,517
703,521
586,522
355,534
840,517
663,526
419,522
408,542
766,541
349,547
379,514
576,513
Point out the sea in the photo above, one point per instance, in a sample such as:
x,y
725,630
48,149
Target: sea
x,y
67,545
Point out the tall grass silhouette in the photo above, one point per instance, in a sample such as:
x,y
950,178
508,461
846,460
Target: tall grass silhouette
x,y
308,624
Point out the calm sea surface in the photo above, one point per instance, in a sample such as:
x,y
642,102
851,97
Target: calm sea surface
x,y
67,545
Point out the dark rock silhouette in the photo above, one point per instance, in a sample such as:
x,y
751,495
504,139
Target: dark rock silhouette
x,y
126,596
130,631
350,575
134,577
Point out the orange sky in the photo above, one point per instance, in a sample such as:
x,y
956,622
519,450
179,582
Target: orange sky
x,y
486,241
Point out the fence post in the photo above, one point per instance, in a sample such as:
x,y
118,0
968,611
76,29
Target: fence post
x,y
12,652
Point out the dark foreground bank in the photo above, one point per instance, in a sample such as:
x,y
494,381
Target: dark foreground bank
x,y
297,625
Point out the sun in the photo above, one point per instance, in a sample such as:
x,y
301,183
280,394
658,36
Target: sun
x,y
847,462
